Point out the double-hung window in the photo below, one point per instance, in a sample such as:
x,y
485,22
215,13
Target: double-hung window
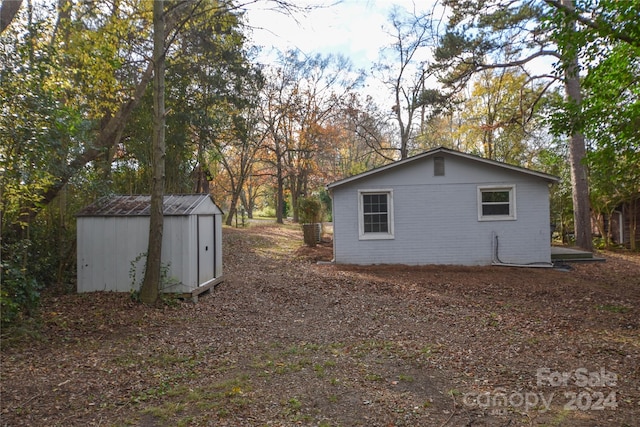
x,y
375,214
496,203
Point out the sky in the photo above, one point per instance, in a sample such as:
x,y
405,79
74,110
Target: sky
x,y
354,28
357,29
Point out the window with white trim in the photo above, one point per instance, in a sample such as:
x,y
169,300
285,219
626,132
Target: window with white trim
x,y
375,214
496,203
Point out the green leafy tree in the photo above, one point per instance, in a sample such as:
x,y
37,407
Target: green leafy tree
x,y
609,44
506,34
500,118
73,75
612,121
554,160
212,88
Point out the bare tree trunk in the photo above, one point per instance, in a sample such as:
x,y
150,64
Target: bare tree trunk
x,y
150,286
233,208
280,189
580,193
247,199
235,189
201,182
8,11
577,153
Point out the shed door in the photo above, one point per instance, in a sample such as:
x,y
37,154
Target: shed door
x,y
206,248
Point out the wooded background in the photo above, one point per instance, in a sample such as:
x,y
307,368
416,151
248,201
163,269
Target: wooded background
x,y
550,85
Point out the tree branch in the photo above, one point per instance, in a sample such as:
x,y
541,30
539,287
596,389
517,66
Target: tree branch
x,y
603,28
519,62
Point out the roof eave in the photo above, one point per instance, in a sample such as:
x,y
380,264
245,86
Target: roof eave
x,y
549,178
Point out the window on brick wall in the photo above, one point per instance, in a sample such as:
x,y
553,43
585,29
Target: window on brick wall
x,y
375,214
496,203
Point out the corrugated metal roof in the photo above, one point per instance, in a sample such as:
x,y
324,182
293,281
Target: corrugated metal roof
x,y
140,205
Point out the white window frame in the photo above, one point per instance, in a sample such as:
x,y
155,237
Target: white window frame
x,y
378,235
511,188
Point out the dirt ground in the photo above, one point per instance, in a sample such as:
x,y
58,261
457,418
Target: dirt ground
x,y
286,341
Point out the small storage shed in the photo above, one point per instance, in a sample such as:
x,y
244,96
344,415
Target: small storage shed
x,y
443,207
112,242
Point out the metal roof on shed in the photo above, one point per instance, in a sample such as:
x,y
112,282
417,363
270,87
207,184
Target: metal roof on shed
x,y
140,205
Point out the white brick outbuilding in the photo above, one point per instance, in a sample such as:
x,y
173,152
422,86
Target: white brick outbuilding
x,y
443,207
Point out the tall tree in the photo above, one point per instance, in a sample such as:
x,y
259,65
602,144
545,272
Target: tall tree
x,y
608,43
405,71
238,150
577,147
505,34
362,139
101,89
500,116
151,283
301,95
211,84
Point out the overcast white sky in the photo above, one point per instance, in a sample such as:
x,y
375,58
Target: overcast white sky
x,y
353,28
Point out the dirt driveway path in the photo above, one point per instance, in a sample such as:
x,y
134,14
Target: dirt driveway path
x,y
285,341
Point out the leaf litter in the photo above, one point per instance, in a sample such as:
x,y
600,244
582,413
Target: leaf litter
x,y
285,341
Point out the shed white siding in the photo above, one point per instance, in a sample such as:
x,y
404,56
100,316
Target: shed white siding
x,y
436,217
112,248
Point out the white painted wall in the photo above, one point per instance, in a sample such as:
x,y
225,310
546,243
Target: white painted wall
x,y
108,245
436,217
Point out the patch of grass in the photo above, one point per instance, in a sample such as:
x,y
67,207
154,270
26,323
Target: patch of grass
x,y
178,391
493,320
613,308
223,398
559,419
329,364
293,366
426,351
186,421
385,348
294,350
166,411
294,404
292,409
373,377
292,359
319,369
454,392
152,393
405,378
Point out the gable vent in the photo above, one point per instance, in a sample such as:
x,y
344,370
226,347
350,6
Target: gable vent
x,y
438,166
